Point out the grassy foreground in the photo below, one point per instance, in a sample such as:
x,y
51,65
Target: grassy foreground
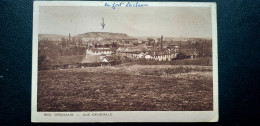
x,y
125,89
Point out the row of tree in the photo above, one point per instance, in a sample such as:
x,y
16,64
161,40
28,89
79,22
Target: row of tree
x,y
49,51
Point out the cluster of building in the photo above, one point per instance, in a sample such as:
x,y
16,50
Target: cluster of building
x,y
136,53
141,51
148,53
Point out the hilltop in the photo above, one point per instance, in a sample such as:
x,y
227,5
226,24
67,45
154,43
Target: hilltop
x,y
88,36
53,37
103,35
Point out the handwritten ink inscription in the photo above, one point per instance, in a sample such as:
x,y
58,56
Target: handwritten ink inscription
x,y
128,4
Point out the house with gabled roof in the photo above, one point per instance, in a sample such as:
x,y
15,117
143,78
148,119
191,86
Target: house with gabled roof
x,y
105,62
161,54
120,51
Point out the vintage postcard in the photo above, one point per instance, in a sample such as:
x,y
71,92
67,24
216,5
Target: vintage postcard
x,y
124,62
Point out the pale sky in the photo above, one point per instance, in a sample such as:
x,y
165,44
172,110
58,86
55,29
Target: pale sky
x,y
146,21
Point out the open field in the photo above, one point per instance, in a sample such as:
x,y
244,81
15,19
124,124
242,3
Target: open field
x,y
176,71
126,88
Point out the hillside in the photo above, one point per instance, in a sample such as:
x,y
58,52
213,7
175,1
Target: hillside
x,y
103,35
53,37
98,36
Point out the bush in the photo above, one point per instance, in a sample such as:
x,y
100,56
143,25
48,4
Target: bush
x,y
203,61
171,70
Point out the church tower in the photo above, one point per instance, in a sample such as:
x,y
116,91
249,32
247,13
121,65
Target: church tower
x,y
69,37
162,42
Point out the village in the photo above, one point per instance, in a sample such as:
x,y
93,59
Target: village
x,y
113,51
132,49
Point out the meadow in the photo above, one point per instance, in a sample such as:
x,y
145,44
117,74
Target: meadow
x,y
127,87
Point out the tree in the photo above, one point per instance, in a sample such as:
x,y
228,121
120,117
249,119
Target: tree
x,y
106,45
203,47
63,42
114,45
47,53
42,60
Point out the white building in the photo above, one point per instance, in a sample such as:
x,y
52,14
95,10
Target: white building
x,y
99,51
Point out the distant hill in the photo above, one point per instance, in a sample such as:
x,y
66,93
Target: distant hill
x,y
53,37
99,36
103,35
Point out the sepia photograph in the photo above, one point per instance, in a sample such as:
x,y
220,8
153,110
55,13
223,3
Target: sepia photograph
x,y
96,59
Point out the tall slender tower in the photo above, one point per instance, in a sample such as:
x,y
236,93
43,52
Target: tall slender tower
x,y
69,37
162,42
